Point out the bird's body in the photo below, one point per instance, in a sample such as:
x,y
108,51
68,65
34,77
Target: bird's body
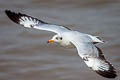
x,y
85,43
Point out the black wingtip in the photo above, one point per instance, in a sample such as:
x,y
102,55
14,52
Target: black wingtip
x,y
16,16
107,74
13,16
111,73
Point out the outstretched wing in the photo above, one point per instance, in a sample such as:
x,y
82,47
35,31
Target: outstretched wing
x,y
31,22
95,59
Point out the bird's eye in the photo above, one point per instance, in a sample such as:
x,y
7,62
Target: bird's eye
x,y
57,38
60,38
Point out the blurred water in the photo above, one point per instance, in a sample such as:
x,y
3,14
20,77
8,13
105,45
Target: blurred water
x,y
24,54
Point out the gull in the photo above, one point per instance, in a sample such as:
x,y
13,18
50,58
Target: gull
x,y
85,43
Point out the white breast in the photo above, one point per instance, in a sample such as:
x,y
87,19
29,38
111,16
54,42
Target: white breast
x,y
67,44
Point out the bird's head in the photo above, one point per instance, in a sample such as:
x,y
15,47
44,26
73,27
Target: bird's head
x,y
55,38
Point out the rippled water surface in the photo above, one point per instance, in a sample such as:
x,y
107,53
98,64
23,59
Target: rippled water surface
x,y
25,55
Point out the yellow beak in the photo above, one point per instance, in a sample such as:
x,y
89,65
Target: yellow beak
x,y
49,41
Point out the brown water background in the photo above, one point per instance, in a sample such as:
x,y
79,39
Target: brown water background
x,y
24,54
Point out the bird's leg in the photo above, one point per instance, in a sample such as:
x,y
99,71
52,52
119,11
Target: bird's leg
x,y
85,58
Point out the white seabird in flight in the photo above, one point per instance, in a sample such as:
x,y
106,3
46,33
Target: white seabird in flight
x,y
85,43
